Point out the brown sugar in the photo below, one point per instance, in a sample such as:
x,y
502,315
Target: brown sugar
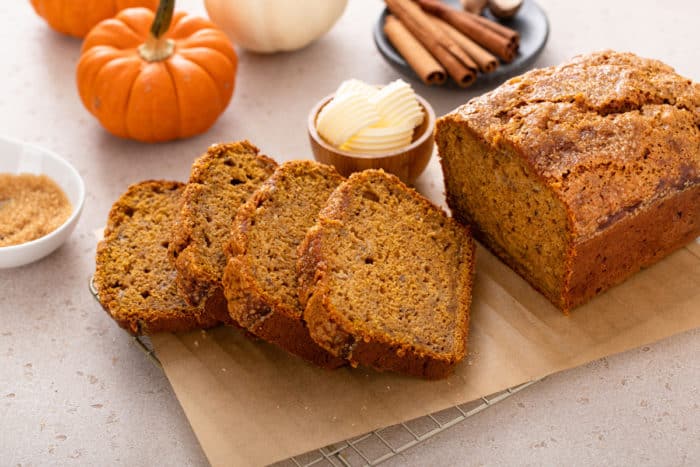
x,y
260,280
578,175
386,278
31,206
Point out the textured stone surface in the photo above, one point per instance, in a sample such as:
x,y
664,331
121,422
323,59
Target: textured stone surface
x,y
75,390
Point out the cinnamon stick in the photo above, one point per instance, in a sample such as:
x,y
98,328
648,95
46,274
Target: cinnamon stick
x,y
417,56
498,28
474,6
457,63
485,60
501,46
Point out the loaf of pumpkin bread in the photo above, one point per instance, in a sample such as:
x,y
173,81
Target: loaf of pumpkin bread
x,y
133,278
578,175
260,279
385,278
220,181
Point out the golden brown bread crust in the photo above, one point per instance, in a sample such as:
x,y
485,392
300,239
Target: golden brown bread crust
x,y
340,332
221,180
134,280
266,309
602,122
648,236
614,137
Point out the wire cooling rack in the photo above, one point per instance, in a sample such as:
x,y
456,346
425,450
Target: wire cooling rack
x,y
377,446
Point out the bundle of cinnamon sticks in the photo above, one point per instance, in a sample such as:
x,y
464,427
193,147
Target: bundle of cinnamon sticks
x,y
437,40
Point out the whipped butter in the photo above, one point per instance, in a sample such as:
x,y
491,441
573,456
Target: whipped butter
x,y
364,119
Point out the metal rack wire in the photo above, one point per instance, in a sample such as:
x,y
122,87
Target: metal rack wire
x,y
380,445
377,446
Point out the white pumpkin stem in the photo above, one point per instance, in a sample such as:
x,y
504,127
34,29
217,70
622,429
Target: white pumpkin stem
x,y
157,48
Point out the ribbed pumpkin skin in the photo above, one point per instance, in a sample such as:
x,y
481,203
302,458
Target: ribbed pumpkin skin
x,y
77,17
178,97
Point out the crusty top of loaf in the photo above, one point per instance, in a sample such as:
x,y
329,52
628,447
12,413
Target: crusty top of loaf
x,y
623,127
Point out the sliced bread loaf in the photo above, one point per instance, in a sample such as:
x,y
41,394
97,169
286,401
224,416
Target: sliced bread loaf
x,y
578,176
220,182
260,279
386,278
134,280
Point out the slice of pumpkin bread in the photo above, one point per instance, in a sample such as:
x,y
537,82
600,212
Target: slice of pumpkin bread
x,y
134,280
221,180
386,278
260,279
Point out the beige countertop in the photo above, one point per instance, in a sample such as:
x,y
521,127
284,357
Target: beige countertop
x,y
75,390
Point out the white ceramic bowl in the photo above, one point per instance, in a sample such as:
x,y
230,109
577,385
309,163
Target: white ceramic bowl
x,y
18,157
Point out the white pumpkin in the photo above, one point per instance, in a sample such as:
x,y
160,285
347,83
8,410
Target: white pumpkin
x,y
268,26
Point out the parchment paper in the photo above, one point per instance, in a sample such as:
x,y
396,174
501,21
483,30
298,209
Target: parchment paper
x,y
251,403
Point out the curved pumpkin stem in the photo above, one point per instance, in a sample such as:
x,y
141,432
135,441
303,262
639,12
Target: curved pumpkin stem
x,y
157,48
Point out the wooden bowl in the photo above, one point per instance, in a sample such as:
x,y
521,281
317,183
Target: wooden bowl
x,y
406,163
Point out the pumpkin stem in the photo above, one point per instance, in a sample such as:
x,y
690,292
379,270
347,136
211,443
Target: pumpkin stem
x,y
157,48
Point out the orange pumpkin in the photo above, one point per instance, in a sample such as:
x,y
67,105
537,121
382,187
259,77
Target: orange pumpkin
x,y
172,82
77,17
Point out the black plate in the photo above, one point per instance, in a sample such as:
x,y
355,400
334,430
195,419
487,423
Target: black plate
x,y
531,22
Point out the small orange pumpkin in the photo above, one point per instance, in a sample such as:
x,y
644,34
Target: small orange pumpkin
x,y
172,82
77,17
